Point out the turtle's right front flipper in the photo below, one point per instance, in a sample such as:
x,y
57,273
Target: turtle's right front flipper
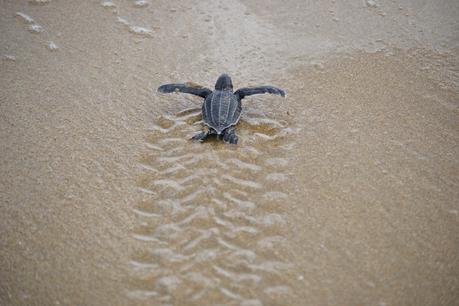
x,y
197,91
248,91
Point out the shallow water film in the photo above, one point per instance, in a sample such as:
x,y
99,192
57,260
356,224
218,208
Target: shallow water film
x,y
346,192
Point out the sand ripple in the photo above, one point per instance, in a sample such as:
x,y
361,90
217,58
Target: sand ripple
x,y
211,217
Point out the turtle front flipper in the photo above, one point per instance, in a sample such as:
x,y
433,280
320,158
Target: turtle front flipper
x,y
229,135
197,91
248,91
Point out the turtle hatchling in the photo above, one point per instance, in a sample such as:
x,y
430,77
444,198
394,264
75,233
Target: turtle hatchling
x,y
222,107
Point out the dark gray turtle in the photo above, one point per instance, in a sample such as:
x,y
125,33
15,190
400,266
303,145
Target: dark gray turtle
x,y
222,107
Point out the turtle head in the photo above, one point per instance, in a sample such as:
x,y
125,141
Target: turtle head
x,y
224,82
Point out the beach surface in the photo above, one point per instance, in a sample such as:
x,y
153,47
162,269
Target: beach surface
x,y
346,192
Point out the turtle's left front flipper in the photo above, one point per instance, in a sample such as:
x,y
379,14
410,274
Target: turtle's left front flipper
x,y
248,91
197,91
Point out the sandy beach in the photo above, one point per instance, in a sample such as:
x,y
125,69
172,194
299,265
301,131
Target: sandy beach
x,y
346,192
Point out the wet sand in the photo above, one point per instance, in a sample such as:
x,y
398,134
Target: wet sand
x,y
346,192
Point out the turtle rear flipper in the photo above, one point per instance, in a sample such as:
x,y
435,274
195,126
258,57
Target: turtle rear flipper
x,y
201,136
179,87
204,135
229,135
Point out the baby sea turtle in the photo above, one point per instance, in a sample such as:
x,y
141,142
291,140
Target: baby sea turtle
x,y
222,107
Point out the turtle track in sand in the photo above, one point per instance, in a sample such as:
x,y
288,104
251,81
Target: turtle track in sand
x,y
211,215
